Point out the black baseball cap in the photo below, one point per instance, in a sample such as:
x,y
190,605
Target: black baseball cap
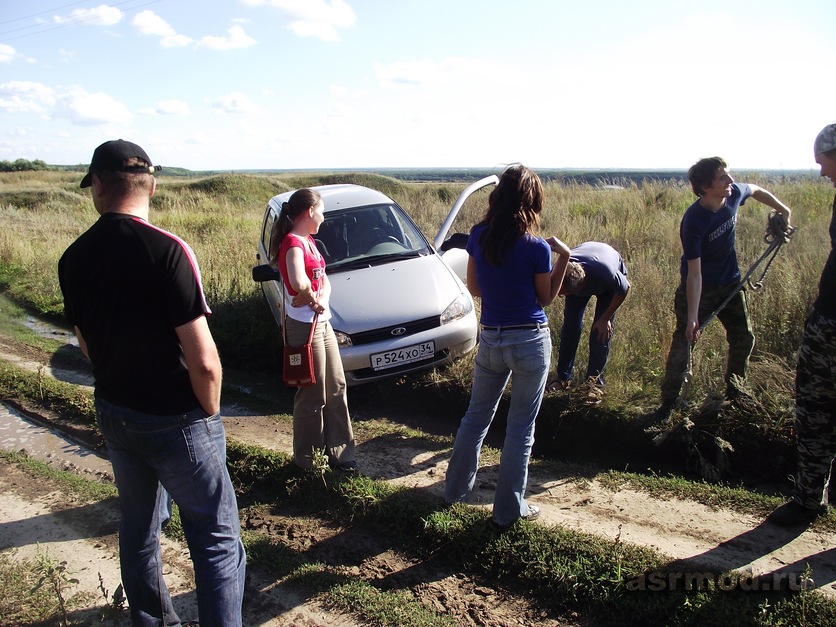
x,y
111,157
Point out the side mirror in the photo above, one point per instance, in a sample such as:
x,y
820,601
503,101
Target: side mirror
x,y
266,272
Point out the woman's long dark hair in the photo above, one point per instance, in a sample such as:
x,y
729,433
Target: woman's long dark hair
x,y
300,201
514,208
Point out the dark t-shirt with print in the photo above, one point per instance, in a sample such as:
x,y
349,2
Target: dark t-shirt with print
x,y
710,236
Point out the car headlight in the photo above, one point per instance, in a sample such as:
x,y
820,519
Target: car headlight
x,y
343,339
458,309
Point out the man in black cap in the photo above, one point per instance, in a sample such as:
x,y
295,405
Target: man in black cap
x,y
134,295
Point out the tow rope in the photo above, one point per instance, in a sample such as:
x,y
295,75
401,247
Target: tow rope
x,y
777,234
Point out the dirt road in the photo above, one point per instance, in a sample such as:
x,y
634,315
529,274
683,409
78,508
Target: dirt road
x,y
707,538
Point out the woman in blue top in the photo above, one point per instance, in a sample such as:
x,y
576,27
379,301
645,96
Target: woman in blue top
x,y
510,269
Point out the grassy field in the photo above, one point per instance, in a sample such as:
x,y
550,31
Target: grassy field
x,y
220,217
42,212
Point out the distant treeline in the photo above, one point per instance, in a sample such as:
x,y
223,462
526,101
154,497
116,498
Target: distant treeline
x,y
24,165
594,178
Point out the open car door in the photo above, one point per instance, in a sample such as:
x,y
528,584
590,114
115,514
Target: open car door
x,y
451,247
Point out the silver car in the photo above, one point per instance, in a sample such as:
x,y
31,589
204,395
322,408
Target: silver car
x,y
398,303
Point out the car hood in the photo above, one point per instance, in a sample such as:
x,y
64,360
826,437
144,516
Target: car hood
x,y
392,293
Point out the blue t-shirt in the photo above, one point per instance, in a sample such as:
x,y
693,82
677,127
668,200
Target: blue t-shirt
x,y
710,236
508,294
604,269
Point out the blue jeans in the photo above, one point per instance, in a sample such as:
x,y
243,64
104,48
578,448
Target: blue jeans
x,y
570,336
184,455
524,355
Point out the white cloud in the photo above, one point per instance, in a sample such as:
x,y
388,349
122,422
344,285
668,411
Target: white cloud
x,y
149,23
101,15
7,53
86,109
25,97
237,39
313,18
168,107
234,102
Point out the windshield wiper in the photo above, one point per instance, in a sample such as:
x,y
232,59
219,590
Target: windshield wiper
x,y
373,260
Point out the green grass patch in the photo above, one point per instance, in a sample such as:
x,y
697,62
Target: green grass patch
x,y
70,401
70,482
398,608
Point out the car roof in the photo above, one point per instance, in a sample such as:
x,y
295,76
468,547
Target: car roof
x,y
341,196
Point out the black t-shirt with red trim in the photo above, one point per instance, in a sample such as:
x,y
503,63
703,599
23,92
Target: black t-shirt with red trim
x,y
127,285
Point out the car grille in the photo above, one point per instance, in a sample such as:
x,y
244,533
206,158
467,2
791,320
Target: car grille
x,y
385,333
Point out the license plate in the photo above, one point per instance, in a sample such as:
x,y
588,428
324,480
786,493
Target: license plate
x,y
381,361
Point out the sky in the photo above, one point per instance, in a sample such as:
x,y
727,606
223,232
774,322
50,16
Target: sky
x,y
341,84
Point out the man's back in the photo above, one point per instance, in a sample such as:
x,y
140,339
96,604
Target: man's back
x,y
603,268
127,286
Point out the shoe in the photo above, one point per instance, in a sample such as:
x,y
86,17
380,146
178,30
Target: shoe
x,y
533,513
664,411
559,385
793,514
347,467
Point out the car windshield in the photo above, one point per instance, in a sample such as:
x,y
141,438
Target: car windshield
x,y
368,235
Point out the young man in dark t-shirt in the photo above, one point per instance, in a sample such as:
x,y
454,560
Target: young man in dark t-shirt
x,y
709,273
133,294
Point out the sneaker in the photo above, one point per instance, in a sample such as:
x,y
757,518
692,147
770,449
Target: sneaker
x,y
533,513
559,385
664,411
793,514
347,467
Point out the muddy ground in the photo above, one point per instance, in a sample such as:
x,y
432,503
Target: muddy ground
x,y
33,512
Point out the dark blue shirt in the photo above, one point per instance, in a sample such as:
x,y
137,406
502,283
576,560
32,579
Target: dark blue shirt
x,y
508,293
604,269
709,236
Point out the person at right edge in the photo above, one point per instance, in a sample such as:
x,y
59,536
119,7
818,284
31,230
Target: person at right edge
x,y
510,268
815,382
709,273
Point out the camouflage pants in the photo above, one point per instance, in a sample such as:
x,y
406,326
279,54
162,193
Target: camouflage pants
x,y
815,410
735,319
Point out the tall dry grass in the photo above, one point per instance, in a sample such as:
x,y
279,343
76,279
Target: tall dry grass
x,y
220,216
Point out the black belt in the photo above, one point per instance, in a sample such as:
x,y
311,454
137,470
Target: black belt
x,y
514,327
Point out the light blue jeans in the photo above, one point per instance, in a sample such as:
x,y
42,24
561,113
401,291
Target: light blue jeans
x,y
523,356
184,455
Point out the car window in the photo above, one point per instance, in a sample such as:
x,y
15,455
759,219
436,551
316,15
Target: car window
x,y
266,229
352,234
